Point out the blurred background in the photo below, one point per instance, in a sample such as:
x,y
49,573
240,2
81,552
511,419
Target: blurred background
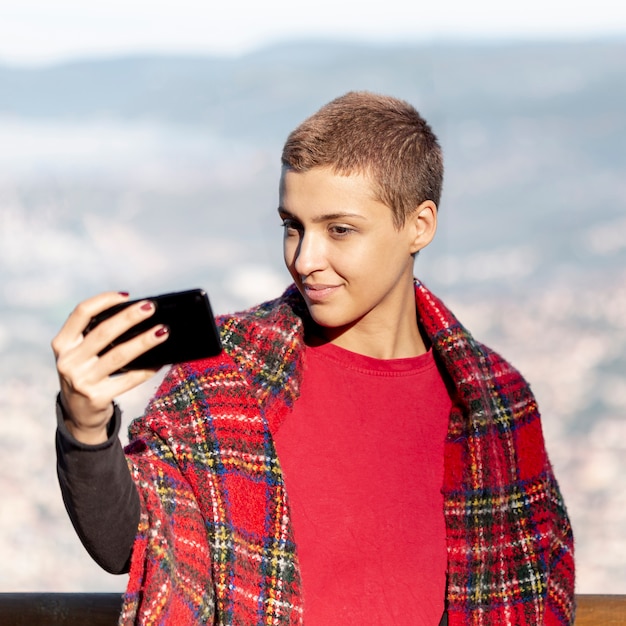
x,y
139,151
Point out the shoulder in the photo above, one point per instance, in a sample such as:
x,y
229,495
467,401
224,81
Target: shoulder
x,y
260,361
262,345
477,372
272,321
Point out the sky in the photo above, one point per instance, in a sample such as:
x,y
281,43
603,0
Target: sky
x,y
36,32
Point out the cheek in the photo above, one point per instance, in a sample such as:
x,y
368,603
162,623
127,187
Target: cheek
x,y
361,260
289,251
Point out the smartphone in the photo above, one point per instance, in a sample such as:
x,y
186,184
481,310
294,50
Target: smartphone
x,y
193,334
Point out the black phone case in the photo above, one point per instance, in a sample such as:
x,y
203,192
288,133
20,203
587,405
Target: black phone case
x,y
193,334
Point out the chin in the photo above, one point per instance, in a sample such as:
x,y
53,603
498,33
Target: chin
x,y
332,325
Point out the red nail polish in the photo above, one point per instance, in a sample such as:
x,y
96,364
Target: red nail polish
x,y
162,331
125,294
147,306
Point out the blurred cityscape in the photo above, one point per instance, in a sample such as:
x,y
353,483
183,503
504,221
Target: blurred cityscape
x,y
151,175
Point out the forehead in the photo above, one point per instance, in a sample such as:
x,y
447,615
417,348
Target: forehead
x,y
324,189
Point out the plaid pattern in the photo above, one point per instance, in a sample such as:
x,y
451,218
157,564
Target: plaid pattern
x,y
215,544
510,543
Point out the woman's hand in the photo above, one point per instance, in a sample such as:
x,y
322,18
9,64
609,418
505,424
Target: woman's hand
x,y
87,385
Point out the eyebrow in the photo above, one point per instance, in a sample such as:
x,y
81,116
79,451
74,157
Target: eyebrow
x,y
325,217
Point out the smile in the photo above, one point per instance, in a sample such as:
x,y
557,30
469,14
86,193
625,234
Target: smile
x,y
318,293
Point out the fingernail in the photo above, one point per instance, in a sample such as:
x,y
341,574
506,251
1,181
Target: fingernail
x,y
147,306
163,330
124,294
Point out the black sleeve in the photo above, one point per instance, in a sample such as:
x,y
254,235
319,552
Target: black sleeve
x,y
99,494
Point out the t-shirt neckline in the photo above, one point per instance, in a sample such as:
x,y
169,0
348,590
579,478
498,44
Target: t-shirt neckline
x,y
368,364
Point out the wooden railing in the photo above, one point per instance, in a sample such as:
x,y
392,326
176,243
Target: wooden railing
x,y
59,609
102,609
601,610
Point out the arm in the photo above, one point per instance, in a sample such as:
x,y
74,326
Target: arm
x,y
99,495
97,488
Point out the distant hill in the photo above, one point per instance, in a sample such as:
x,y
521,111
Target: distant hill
x,y
534,133
265,93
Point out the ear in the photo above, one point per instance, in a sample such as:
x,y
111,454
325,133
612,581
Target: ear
x,y
422,225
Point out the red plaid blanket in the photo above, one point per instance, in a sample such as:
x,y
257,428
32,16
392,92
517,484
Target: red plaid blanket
x,y
215,543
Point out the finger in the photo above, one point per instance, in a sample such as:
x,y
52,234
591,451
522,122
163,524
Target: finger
x,y
87,385
71,332
93,408
117,385
109,330
122,354
82,370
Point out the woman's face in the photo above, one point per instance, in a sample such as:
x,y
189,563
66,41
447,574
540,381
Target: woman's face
x,y
353,267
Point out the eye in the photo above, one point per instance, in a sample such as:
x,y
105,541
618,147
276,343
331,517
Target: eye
x,y
340,230
291,226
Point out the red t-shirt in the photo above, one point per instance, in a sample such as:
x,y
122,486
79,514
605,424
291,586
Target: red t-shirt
x,y
362,458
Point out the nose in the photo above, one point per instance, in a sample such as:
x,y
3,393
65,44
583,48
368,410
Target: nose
x,y
309,254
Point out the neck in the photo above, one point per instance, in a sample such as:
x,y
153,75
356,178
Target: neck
x,y
401,347
384,336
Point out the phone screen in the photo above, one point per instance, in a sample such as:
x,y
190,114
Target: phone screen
x,y
192,331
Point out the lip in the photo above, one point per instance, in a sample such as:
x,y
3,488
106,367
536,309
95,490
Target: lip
x,y
319,293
